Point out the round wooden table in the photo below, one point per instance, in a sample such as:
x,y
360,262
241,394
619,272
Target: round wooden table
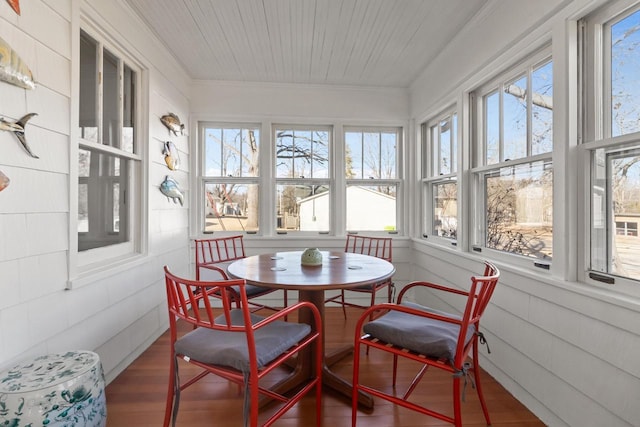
x,y
339,270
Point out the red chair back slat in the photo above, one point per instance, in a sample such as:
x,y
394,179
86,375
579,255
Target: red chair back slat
x,y
379,247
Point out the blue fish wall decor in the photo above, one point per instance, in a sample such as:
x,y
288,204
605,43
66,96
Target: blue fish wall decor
x,y
171,189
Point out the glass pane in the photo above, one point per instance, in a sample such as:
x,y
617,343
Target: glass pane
x,y
625,78
515,119
371,207
615,201
110,100
231,207
128,110
102,210
302,154
542,109
231,152
445,209
353,155
303,207
519,205
445,147
454,143
388,149
88,117
492,128
371,155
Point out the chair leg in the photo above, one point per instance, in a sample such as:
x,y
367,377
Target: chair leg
x,y
457,407
344,308
476,376
171,408
395,370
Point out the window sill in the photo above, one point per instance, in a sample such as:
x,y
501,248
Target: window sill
x,y
93,273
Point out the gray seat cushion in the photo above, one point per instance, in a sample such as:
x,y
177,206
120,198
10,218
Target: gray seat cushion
x,y
230,348
431,337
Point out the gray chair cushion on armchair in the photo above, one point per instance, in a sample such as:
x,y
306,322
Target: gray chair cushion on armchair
x,y
431,337
230,348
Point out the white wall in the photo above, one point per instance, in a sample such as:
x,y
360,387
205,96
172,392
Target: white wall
x,y
120,312
568,351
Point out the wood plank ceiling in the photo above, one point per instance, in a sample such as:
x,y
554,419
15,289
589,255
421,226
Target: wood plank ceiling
x,y
340,42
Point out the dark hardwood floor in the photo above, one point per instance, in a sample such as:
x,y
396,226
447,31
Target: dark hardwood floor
x,y
136,398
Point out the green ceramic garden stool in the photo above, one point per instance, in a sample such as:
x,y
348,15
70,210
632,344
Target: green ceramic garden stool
x,y
65,389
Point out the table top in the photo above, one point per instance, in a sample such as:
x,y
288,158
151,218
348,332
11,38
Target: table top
x,y
339,270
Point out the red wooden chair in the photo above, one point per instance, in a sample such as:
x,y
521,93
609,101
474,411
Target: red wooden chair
x,y
212,257
375,246
431,338
237,345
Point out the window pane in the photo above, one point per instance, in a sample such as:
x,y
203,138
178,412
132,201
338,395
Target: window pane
x,y
625,78
231,207
445,147
492,128
615,247
110,101
128,110
519,210
371,207
542,109
371,155
102,208
231,152
445,209
88,120
515,119
302,154
303,207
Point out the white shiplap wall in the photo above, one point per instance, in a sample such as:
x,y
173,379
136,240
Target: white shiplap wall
x,y
566,350
120,312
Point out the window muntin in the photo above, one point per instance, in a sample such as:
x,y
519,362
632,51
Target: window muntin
x,y
302,166
371,169
439,167
513,173
108,163
231,155
612,134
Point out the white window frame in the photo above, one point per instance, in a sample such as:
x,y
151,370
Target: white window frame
x,y
431,172
397,181
596,131
90,265
328,181
479,169
203,179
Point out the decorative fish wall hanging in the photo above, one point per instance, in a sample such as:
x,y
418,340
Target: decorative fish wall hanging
x,y
15,5
171,155
13,69
17,128
172,122
4,181
171,189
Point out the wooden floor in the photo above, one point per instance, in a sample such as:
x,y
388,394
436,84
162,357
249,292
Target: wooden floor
x,y
136,398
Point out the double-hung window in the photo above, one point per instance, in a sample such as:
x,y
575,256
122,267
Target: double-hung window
x,y
109,152
512,168
439,176
230,177
371,171
611,135
303,178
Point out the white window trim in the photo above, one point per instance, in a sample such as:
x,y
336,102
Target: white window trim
x,y
88,266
